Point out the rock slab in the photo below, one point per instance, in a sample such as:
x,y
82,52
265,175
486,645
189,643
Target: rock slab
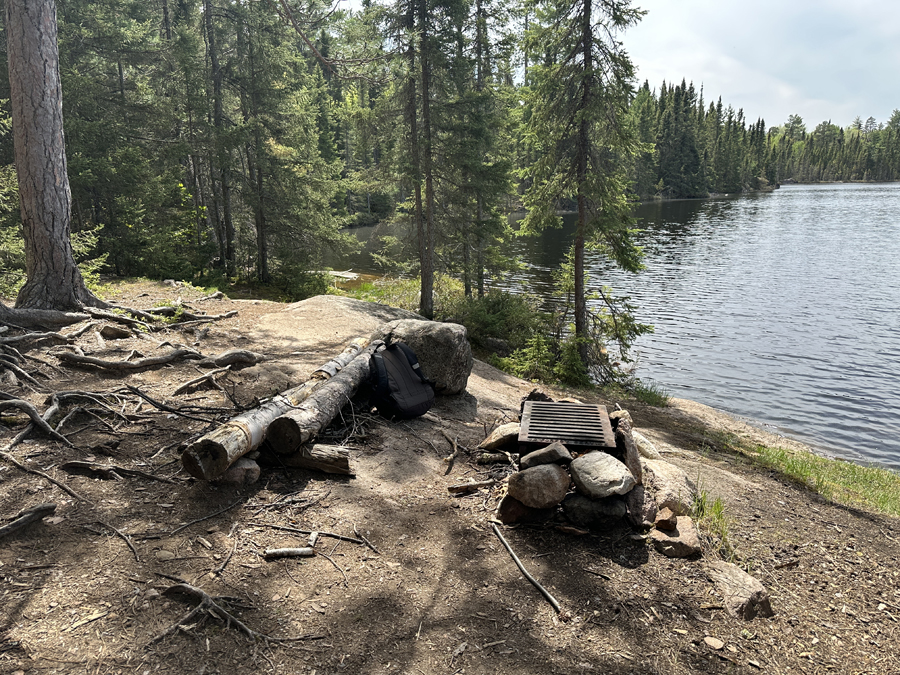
x,y
505,433
598,475
442,349
540,487
669,485
555,453
745,596
682,542
626,445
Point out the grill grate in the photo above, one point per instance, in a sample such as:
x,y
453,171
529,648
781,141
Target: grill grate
x,y
569,423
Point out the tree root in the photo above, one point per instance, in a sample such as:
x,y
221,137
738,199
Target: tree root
x,y
210,606
27,516
16,463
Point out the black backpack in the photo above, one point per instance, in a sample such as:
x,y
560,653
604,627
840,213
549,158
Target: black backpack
x,y
399,387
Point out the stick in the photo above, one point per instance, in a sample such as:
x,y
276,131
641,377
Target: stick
x,y
12,460
525,573
365,541
321,533
200,520
206,377
124,537
468,487
109,470
163,406
27,516
337,567
289,552
221,568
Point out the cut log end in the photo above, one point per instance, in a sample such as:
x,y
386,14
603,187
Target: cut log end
x,y
206,459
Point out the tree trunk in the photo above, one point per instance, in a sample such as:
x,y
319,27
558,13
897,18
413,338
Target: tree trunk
x,y
426,303
581,179
327,458
54,281
211,455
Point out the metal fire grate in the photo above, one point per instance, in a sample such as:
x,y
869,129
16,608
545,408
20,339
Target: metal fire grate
x,y
569,423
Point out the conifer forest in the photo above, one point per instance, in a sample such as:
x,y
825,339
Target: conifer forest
x,y
240,138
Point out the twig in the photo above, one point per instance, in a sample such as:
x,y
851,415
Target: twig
x,y
321,533
329,559
200,520
221,568
124,537
467,487
163,406
305,552
27,516
206,377
12,460
365,541
525,573
108,469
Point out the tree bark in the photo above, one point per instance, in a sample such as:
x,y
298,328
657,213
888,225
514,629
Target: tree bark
x,y
54,281
211,455
327,458
289,432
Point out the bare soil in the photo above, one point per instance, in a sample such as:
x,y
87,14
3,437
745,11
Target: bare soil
x,y
441,594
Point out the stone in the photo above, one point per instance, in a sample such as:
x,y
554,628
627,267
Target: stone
x,y
243,472
109,332
511,511
555,453
505,433
669,485
594,513
641,508
666,520
745,597
627,447
713,643
644,446
682,542
617,415
598,475
442,349
540,487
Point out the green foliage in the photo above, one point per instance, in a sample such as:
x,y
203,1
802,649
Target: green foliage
x,y
510,318
713,520
298,284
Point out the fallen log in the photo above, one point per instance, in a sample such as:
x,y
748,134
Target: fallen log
x,y
327,458
209,456
288,433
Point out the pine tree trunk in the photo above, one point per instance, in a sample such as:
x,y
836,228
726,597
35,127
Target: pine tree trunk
x,y
426,304
54,281
581,178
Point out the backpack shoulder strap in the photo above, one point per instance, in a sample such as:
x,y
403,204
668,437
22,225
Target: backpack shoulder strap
x,y
413,361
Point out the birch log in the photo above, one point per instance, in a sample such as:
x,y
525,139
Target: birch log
x,y
327,458
210,456
295,427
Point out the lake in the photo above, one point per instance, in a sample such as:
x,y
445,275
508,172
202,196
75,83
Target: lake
x,y
780,308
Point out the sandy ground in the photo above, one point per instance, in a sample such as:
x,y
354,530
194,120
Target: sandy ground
x,y
436,592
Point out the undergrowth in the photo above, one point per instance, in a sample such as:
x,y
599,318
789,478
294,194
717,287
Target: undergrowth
x,y
711,517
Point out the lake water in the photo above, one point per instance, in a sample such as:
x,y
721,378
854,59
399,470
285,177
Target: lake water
x,y
781,308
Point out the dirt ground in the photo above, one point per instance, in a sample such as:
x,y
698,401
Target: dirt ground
x,y
436,592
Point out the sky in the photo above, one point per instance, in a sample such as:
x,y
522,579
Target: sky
x,y
820,59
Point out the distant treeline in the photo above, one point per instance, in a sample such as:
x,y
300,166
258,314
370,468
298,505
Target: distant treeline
x,y
693,150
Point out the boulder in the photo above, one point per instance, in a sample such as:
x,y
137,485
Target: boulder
x,y
669,485
540,487
511,511
505,433
641,508
682,542
745,596
442,349
555,453
598,475
594,513
644,446
626,445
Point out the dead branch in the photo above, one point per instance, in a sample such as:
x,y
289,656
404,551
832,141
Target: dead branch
x,y
181,354
525,573
206,377
297,531
365,541
12,460
221,568
122,536
305,552
26,517
468,487
336,566
164,407
326,458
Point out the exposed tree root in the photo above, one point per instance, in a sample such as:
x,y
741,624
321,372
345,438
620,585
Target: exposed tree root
x,y
27,516
16,463
128,366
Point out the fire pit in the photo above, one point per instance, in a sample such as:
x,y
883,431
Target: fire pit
x,y
575,425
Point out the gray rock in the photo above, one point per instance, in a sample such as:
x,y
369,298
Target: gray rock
x,y
555,453
745,597
641,508
598,475
669,485
594,513
626,445
644,446
442,349
511,511
540,487
243,472
682,542
505,433
617,415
